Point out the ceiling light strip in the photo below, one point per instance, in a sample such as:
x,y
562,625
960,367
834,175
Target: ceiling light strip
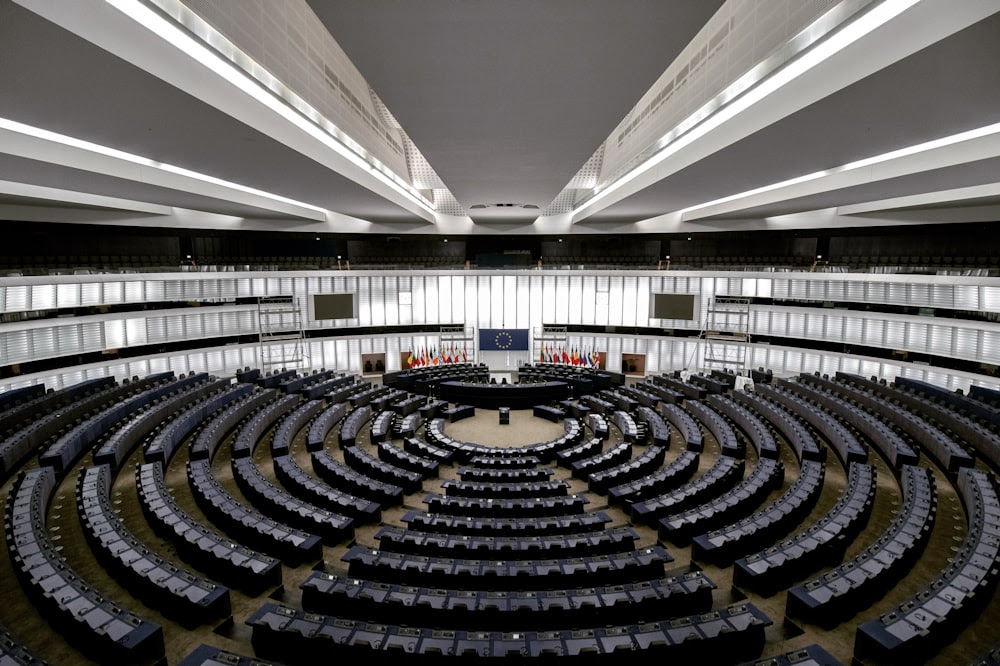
x,y
190,34
746,91
50,137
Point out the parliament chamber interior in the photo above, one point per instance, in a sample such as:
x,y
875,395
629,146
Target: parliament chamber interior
x,y
452,331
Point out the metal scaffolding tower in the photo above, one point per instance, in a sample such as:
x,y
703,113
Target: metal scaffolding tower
x,y
281,337
727,334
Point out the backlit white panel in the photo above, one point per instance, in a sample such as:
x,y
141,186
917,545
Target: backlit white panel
x,y
919,294
797,289
967,343
939,340
549,299
629,302
376,287
895,335
836,291
588,303
43,297
508,302
876,292
458,310
853,328
444,299
916,336
562,313
135,331
68,295
874,333
419,298
616,287
991,345
576,301
796,325
523,305
494,299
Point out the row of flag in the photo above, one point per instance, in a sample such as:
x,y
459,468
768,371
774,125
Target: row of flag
x,y
429,356
573,356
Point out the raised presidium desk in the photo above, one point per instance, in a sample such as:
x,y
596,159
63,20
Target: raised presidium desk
x,y
492,396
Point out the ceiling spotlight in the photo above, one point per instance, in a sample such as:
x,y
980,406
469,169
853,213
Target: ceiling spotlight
x,y
338,256
560,240
689,238
445,240
317,237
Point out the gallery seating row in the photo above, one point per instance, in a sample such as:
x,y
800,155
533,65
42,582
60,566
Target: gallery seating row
x,y
208,655
408,405
98,625
323,389
505,489
975,408
838,593
402,459
464,451
725,473
759,435
247,525
659,431
505,508
594,521
937,444
319,493
373,467
324,423
810,655
514,574
627,426
767,475
710,384
720,428
644,398
554,414
645,463
381,428
18,416
888,442
667,396
686,426
727,635
839,437
689,391
487,474
619,399
366,397
598,405
432,409
587,449
797,436
352,425
165,443
305,382
616,455
345,392
417,542
216,554
660,481
407,426
348,479
819,544
419,447
276,378
27,437
281,441
212,434
500,610
926,621
68,446
458,412
504,462
12,651
176,592
985,441
117,446
282,505
575,408
15,397
722,545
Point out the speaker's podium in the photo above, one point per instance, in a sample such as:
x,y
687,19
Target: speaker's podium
x,y
504,415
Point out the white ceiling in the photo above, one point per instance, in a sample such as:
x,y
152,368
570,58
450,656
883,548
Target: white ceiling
x,y
506,100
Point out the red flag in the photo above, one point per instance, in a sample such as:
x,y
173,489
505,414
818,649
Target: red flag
x,y
565,356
